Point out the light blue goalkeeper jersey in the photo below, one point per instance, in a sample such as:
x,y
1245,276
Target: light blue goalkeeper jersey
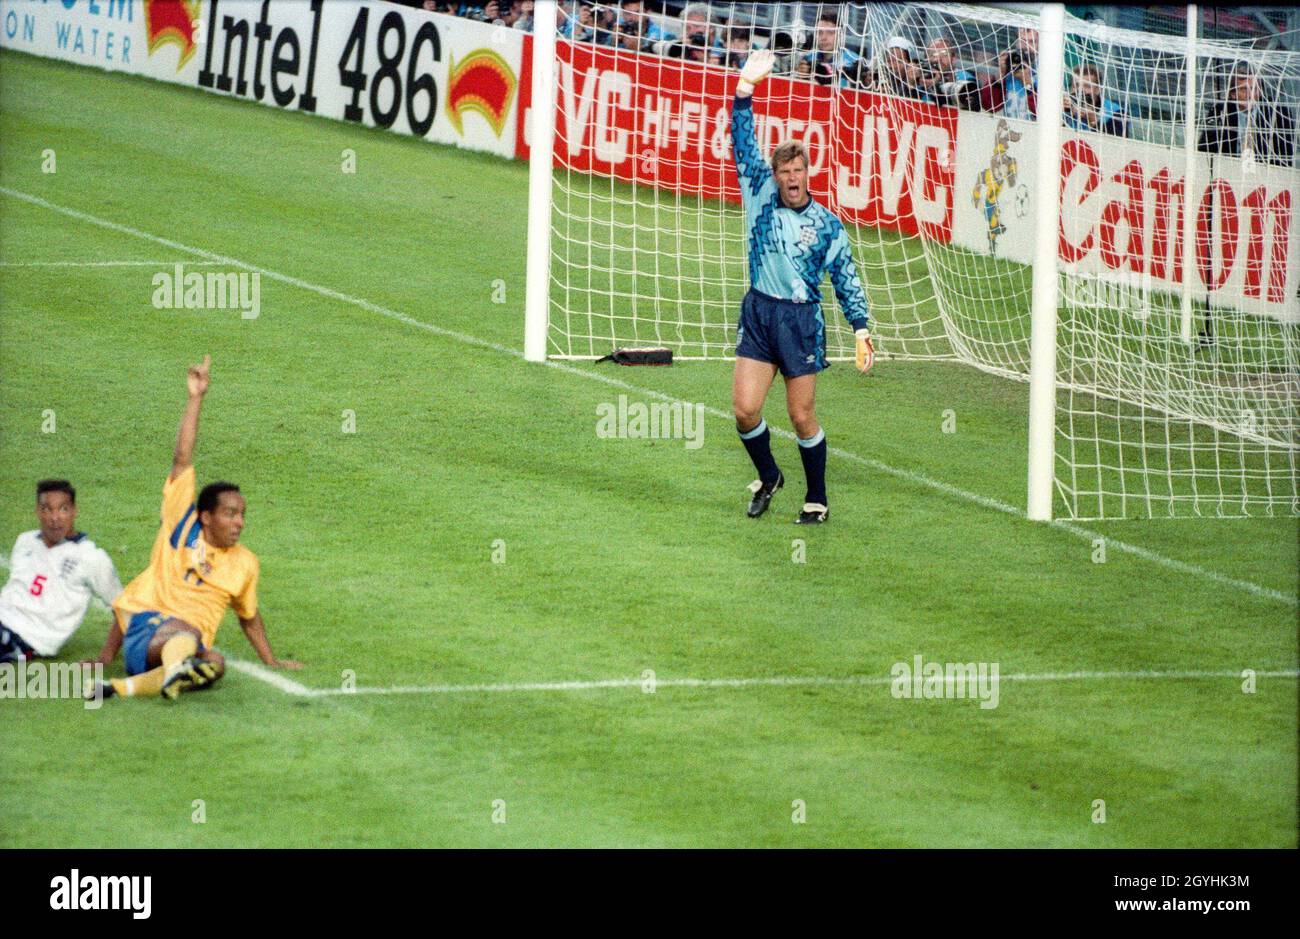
x,y
790,249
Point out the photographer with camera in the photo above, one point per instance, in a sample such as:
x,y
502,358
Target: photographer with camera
x,y
640,31
829,63
896,73
1012,94
699,41
1086,108
942,82
632,31
739,46
578,23
605,25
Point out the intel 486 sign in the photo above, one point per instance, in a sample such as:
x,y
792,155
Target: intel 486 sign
x,y
440,77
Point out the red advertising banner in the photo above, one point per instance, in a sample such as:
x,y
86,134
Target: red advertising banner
x,y
1242,222
665,123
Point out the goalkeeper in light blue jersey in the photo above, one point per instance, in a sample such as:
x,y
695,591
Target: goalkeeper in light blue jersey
x,y
793,242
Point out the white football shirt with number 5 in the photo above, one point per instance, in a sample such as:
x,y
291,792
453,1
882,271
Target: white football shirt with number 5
x,y
49,589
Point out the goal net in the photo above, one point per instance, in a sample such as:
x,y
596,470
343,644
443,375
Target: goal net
x,y
1177,384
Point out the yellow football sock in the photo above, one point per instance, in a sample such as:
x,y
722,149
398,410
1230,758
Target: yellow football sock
x,y
144,684
176,649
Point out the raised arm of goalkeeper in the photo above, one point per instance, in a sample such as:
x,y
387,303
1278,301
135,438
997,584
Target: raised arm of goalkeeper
x,y
757,187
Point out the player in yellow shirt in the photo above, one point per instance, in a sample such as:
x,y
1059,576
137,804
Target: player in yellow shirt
x,y
167,618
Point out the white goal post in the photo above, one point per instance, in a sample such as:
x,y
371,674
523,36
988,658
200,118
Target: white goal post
x,y
1047,219
541,131
1106,214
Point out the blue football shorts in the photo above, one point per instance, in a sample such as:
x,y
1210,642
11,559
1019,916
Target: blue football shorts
x,y
791,336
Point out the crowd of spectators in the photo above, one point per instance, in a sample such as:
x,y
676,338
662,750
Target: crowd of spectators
x,y
516,14
1006,84
699,34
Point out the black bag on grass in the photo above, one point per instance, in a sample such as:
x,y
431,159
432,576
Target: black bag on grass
x,y
639,357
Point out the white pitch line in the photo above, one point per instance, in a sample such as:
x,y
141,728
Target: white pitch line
x,y
280,681
1182,567
171,263
271,677
789,681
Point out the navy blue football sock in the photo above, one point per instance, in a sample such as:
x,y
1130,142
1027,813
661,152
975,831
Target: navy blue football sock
x,y
758,442
813,453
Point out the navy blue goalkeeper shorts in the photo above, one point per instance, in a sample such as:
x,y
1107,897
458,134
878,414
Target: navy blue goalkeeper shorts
x,y
792,336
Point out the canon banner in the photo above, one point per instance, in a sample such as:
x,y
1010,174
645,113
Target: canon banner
x,y
441,77
1122,208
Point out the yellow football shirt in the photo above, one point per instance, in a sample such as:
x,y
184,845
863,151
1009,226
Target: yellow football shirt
x,y
188,578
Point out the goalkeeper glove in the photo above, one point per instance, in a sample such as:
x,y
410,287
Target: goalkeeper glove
x,y
866,351
756,69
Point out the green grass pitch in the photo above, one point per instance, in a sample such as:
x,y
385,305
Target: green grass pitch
x,y
620,555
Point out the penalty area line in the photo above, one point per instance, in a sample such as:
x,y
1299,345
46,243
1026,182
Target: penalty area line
x,y
171,263
283,683
777,681
912,476
271,677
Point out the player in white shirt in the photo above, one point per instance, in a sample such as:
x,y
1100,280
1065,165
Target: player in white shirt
x,y
52,573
